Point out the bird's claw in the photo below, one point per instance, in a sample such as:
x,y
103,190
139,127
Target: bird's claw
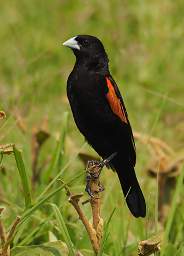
x,y
88,187
93,169
108,159
89,191
89,178
101,188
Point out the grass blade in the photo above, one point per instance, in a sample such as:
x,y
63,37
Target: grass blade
x,y
179,189
54,162
28,213
62,138
23,176
61,154
63,229
39,203
61,172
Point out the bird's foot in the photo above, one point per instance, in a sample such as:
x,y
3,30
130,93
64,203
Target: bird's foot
x,y
108,159
98,188
88,185
101,187
93,170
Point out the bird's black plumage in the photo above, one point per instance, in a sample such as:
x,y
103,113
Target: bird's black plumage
x,y
100,115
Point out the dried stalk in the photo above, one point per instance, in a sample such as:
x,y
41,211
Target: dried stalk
x,y
2,229
94,169
6,239
94,230
74,200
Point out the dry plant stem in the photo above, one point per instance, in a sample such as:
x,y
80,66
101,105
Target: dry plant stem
x,y
6,246
94,171
94,231
2,233
35,153
95,206
74,200
2,230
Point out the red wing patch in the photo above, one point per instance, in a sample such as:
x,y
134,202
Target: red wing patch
x,y
115,102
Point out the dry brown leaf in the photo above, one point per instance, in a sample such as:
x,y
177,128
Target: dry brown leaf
x,y
2,115
6,148
150,246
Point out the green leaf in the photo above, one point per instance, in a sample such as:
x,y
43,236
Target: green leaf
x,y
170,250
60,173
41,201
58,153
63,138
63,229
48,249
173,210
23,176
61,155
54,162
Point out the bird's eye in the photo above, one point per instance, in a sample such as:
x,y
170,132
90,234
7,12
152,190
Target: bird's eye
x,y
85,42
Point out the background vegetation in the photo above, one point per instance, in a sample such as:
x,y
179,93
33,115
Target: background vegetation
x,y
144,41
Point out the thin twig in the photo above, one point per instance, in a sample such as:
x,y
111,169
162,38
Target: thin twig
x,y
94,170
74,200
2,229
6,246
93,188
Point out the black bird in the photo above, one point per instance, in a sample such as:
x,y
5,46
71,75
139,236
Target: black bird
x,y
100,115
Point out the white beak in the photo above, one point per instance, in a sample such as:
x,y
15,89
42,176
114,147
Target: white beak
x,y
72,43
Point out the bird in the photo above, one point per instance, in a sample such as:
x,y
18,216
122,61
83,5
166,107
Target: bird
x,y
100,115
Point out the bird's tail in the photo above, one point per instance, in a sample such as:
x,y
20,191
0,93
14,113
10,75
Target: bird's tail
x,y
132,192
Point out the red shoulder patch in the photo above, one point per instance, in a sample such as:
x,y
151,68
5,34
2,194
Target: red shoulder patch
x,y
115,102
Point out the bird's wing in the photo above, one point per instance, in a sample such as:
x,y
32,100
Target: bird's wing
x,y
117,105
115,101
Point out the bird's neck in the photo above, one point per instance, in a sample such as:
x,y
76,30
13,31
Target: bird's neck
x,y
95,63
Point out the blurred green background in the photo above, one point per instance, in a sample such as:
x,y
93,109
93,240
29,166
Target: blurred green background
x,y
144,41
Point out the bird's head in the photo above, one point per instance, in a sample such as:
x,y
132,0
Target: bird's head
x,y
87,48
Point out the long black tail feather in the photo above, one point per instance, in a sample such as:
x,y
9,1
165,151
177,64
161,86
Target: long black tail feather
x,y
132,191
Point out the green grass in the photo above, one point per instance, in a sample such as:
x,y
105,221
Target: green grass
x,y
144,41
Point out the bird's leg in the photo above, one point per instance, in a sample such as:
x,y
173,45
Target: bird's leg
x,y
93,169
101,187
88,182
